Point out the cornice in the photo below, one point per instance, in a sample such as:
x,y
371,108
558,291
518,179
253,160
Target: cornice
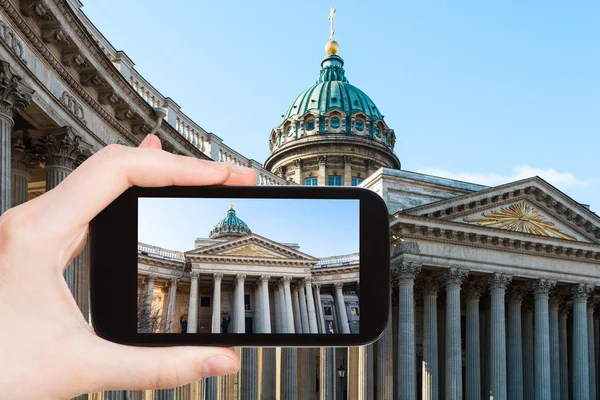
x,y
516,242
156,262
251,260
211,250
57,65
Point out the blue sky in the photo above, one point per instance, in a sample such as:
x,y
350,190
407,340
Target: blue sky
x,y
486,92
174,223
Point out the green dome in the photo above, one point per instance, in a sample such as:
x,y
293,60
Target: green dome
x,y
231,225
333,91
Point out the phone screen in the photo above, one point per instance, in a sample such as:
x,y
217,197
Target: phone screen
x,y
248,265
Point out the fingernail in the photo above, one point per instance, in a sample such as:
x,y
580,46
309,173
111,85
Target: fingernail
x,y
241,170
220,365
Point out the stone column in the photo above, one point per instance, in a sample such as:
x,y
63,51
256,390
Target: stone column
x,y
328,374
216,303
554,349
268,380
515,345
312,314
472,343
265,311
341,308
319,306
454,386
407,385
498,285
303,309
22,158
282,309
114,395
239,312
385,362
171,306
146,311
321,177
564,352
581,379
347,171
542,339
192,320
14,96
257,309
289,372
528,359
277,326
591,348
211,387
289,312
164,394
62,151
249,373
430,340
306,374
296,306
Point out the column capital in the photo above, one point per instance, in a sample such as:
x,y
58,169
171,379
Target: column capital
x,y
195,274
453,277
264,279
581,292
240,277
218,276
14,95
543,287
317,285
431,286
22,156
498,283
151,277
62,148
307,281
338,285
475,288
286,280
406,270
516,293
174,281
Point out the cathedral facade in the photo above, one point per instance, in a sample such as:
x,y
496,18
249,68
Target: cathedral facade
x,y
494,289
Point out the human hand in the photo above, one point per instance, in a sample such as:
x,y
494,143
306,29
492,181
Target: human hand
x,y
48,349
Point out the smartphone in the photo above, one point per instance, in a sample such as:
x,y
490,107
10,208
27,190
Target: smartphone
x,y
241,266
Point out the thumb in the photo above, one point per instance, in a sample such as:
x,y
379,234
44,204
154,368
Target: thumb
x,y
117,367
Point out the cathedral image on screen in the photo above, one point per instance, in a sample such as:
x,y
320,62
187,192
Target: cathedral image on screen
x,y
239,281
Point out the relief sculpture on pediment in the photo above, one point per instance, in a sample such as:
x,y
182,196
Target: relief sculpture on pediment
x,y
251,251
520,217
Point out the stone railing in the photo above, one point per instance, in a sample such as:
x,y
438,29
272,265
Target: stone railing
x,y
208,143
150,250
338,261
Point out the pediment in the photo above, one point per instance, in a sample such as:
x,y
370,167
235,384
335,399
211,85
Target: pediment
x,y
253,246
529,206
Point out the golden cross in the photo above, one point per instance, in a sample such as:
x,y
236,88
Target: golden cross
x,y
331,14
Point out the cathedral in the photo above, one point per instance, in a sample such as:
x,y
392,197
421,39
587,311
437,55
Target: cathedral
x,y
493,288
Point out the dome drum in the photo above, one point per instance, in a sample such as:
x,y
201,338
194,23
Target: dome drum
x,y
335,122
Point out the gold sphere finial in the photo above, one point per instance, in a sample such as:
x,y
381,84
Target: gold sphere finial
x,y
231,206
332,47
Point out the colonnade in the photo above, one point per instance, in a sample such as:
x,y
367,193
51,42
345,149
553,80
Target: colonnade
x,y
516,347
281,304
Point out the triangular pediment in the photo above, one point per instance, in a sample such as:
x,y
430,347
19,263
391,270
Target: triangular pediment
x,y
254,246
529,206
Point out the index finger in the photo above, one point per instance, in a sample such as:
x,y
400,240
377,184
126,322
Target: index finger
x,y
107,174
